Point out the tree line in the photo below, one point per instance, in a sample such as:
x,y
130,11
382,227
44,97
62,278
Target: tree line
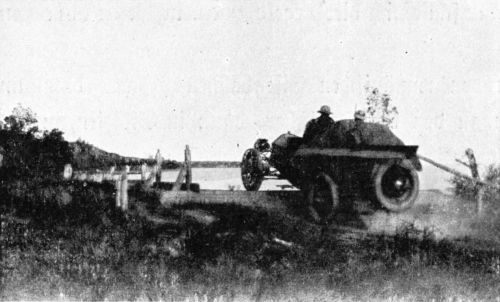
x,y
33,154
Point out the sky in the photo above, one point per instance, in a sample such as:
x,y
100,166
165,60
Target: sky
x,y
132,77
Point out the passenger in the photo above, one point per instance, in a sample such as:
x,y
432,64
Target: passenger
x,y
359,117
354,136
318,125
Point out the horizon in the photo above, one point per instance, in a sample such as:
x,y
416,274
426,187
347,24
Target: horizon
x,y
131,77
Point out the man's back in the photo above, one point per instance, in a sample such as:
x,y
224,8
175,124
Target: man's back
x,y
316,127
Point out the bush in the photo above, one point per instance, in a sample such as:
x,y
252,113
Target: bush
x,y
466,188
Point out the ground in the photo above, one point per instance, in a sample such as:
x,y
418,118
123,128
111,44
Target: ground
x,y
439,250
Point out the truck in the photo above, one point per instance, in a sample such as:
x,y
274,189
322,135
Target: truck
x,y
379,168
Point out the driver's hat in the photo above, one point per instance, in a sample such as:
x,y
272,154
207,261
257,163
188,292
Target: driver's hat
x,y
325,109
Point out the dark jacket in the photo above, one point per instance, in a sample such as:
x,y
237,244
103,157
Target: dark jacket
x,y
316,127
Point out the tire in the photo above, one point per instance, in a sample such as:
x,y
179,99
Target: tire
x,y
252,172
323,198
395,185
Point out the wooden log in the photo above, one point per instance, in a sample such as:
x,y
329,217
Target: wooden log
x,y
264,199
455,172
187,161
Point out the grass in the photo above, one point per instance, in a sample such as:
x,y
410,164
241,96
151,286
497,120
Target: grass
x,y
86,250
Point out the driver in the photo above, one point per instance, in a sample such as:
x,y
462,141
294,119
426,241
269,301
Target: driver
x,y
318,125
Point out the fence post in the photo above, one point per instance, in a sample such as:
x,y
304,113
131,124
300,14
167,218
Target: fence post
x,y
124,191
144,170
118,189
68,171
158,163
2,151
187,160
478,187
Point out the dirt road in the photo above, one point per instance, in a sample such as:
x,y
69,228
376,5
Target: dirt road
x,y
446,216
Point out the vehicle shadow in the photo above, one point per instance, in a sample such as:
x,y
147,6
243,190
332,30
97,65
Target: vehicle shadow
x,y
350,213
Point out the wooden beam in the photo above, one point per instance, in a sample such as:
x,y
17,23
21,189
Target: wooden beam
x,y
455,172
180,178
264,199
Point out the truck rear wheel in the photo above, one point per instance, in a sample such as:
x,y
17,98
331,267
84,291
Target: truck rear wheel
x,y
395,185
323,198
252,172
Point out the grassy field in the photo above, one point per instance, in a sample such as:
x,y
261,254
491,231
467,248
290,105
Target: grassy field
x,y
86,250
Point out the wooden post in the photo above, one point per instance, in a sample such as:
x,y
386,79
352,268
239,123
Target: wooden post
x,y
124,191
159,161
2,151
478,187
144,170
68,171
187,162
118,188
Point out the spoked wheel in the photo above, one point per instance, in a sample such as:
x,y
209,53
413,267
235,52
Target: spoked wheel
x,y
252,172
396,185
323,198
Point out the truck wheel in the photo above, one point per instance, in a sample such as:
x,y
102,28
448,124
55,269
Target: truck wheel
x,y
252,173
323,198
395,185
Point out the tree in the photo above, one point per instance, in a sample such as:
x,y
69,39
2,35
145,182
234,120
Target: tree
x,y
379,107
30,154
21,120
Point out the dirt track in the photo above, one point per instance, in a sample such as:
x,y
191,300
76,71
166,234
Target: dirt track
x,y
444,215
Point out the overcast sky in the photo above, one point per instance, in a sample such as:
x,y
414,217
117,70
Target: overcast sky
x,y
134,76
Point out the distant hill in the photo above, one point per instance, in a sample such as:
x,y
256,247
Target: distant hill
x,y
89,157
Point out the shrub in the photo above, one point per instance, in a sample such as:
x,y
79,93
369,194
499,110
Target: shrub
x,y
466,188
